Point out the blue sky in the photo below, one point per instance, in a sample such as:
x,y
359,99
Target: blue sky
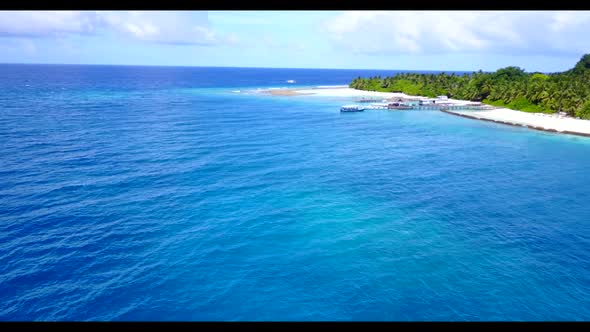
x,y
423,40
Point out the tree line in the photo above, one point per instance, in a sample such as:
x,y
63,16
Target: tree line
x,y
510,87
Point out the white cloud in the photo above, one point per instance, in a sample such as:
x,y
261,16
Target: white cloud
x,y
169,27
431,32
47,23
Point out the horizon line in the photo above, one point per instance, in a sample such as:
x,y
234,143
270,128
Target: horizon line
x,y
192,66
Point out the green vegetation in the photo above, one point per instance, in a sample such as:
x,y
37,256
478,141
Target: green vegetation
x,y
520,103
509,87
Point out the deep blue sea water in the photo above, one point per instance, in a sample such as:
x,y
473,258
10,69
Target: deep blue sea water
x,y
160,193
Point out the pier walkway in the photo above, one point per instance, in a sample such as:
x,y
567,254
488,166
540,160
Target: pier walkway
x,y
452,108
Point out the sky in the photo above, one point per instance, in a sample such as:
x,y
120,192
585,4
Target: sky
x,y
546,41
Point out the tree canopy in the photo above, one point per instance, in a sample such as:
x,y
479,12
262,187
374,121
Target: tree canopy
x,y
583,64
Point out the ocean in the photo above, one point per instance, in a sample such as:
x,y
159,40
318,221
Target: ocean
x,y
179,193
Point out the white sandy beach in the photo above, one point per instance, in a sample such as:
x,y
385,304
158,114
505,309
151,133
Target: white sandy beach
x,y
348,92
539,121
536,120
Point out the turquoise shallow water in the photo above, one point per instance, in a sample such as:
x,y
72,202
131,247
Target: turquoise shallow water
x,y
159,194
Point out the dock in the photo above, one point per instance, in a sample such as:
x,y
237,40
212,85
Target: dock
x,y
454,108
440,107
411,106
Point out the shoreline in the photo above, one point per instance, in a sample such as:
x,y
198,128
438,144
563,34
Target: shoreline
x,y
285,92
535,121
528,125
347,92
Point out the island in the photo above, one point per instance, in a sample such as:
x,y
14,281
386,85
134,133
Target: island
x,y
566,93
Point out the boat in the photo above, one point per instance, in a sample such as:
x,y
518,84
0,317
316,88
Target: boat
x,y
351,108
291,81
